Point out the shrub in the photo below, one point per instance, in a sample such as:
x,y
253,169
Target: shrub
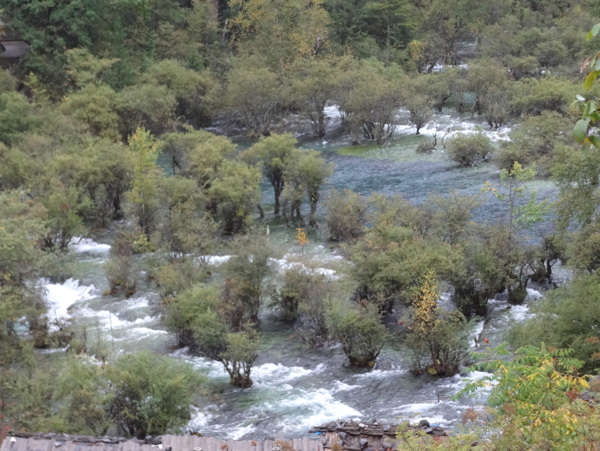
x,y
359,329
537,402
200,318
299,285
151,394
567,316
346,215
438,339
470,150
119,268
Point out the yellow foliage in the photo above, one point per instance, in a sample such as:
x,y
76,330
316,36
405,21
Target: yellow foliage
x,y
425,305
301,238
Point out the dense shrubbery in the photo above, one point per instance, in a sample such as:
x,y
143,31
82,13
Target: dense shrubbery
x,y
469,150
99,122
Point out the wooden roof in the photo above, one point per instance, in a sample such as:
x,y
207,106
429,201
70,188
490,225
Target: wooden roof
x,y
60,442
13,49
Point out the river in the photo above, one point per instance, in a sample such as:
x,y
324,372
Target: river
x,y
295,387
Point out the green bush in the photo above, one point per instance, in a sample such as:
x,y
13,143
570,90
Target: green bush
x,y
346,215
151,394
469,149
358,328
568,316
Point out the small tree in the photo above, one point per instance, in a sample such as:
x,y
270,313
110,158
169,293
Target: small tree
x,y
143,195
536,400
300,286
301,238
151,394
245,273
470,150
508,244
358,328
443,337
313,171
419,107
253,95
200,318
119,268
346,215
273,152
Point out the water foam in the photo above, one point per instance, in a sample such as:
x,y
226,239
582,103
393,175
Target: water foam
x,y
321,406
82,245
60,297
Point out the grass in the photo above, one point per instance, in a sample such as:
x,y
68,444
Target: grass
x,y
401,148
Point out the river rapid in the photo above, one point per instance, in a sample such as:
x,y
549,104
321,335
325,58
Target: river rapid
x,y
296,388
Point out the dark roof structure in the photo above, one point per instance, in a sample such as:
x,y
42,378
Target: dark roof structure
x,y
62,442
13,49
343,435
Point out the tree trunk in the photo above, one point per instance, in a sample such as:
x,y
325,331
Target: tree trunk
x,y
312,220
321,124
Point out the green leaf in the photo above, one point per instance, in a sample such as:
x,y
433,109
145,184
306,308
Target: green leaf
x,y
589,79
595,140
580,130
593,32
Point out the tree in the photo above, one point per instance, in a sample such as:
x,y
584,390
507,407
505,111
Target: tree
x,y
119,269
21,228
314,83
359,329
235,193
143,196
371,28
101,170
419,107
50,29
148,106
443,337
313,170
274,152
507,244
245,273
65,211
177,147
401,245
280,31
300,285
536,400
488,81
469,149
534,96
193,91
96,107
567,316
369,98
536,142
184,228
15,116
254,95
346,215
200,319
84,390
151,393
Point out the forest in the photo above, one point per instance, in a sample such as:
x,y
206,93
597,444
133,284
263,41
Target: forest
x,y
275,191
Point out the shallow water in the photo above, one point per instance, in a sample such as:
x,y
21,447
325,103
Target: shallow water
x,y
297,388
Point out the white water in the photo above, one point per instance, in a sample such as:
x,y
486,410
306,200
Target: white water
x,y
296,388
293,391
82,245
59,297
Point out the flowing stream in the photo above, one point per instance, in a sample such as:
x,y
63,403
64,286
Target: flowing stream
x,y
296,388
